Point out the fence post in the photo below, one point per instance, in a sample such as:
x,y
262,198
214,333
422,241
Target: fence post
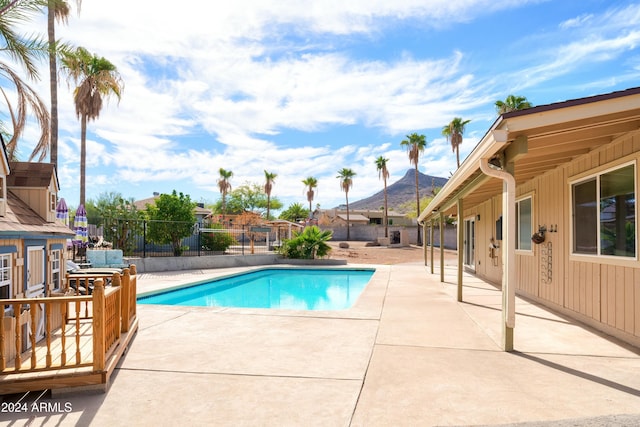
x,y
144,238
98,325
243,237
2,348
133,290
126,301
116,281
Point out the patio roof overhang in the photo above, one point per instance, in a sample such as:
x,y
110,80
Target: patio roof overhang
x,y
537,140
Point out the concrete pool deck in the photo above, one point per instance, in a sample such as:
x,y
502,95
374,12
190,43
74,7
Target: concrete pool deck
x,y
407,354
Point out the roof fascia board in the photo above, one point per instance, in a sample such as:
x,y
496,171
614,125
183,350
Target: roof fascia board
x,y
564,114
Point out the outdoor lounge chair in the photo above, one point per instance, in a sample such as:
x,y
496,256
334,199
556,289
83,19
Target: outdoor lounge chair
x,y
86,286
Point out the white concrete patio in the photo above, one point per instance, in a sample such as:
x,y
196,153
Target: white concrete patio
x,y
406,354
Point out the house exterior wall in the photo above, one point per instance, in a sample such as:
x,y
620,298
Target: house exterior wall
x,y
603,292
488,264
606,292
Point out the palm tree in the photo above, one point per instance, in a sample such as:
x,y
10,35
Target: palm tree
x,y
383,172
415,144
268,186
453,131
294,212
95,78
225,186
57,10
345,176
310,183
25,52
512,103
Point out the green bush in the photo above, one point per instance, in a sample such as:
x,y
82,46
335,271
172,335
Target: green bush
x,y
217,241
308,244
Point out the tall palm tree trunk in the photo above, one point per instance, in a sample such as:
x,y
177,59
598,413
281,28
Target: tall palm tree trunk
x,y
348,224
419,240
458,156
83,157
53,84
224,205
268,205
386,213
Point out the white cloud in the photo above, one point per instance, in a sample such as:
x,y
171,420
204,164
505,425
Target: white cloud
x,y
578,21
215,87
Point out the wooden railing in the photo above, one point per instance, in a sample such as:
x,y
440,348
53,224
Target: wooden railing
x,y
79,330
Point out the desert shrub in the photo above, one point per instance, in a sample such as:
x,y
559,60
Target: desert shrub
x,y
307,244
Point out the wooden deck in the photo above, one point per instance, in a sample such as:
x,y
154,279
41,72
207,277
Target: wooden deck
x,y
67,341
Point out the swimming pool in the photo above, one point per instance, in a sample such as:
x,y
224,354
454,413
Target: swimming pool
x,y
276,288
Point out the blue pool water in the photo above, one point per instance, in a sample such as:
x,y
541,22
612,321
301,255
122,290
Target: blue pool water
x,y
295,289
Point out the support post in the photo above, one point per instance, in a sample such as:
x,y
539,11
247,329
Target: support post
x,y
425,240
441,247
460,230
126,300
98,326
432,236
3,363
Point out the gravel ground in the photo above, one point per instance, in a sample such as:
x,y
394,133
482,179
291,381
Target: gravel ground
x,y
359,252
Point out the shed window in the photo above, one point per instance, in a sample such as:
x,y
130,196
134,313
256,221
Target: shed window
x,y
5,277
524,227
604,214
55,269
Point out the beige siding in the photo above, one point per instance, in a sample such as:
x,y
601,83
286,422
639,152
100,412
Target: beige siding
x,y
603,291
636,304
541,273
489,211
609,287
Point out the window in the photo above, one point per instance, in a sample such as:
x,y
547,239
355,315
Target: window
x,y
55,268
3,195
604,213
53,202
524,224
5,277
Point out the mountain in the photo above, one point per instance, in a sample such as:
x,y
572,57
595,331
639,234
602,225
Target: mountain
x,y
401,191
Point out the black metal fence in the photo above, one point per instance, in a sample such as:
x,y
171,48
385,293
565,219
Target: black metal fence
x,y
149,238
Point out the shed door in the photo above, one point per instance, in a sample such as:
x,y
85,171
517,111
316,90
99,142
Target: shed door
x,y
470,243
35,284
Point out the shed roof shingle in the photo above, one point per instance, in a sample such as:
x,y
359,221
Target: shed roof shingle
x,y
20,218
27,174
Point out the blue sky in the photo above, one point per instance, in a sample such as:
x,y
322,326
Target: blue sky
x,y
305,88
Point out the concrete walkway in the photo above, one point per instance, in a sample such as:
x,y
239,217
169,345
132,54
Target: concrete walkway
x,y
406,354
